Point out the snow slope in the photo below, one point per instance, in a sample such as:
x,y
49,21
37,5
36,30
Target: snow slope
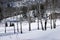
x,y
35,34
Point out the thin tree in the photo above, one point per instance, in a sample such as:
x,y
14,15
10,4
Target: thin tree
x,y
17,24
51,15
29,20
41,12
51,22
46,5
37,15
14,29
21,24
54,7
46,22
5,26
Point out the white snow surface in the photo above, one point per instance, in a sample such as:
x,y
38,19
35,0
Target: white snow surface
x,y
34,34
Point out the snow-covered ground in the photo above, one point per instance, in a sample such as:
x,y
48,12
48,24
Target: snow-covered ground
x,y
34,34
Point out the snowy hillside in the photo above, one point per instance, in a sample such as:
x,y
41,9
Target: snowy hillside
x,y
49,34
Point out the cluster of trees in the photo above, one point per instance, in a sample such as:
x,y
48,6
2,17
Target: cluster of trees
x,y
40,12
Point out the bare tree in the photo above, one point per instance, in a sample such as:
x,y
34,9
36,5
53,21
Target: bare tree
x,y
42,9
50,12
46,5
29,20
21,23
54,7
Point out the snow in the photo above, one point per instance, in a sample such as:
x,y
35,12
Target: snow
x,y
34,34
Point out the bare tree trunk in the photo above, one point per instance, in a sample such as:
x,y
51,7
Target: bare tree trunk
x,y
40,17
41,20
14,29
17,27
38,14
29,20
45,24
5,29
17,20
42,25
54,7
5,26
46,14
21,24
54,23
50,17
13,25
17,24
51,23
29,23
38,23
